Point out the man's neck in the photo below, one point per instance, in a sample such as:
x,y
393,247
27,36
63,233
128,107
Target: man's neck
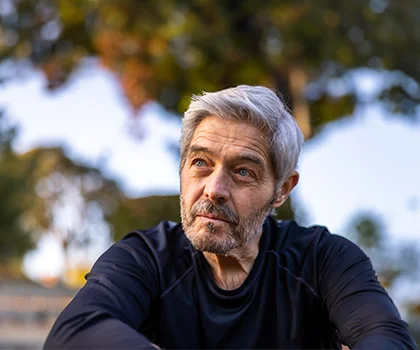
x,y
230,271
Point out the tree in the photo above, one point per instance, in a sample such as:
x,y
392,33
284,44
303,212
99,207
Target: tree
x,y
166,51
14,238
36,187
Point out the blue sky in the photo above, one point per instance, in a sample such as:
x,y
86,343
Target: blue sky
x,y
370,162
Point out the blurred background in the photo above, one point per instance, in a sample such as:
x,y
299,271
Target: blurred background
x,y
91,98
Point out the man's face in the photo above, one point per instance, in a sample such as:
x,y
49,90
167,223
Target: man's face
x,y
227,185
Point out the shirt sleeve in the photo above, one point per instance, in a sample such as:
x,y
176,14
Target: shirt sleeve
x,y
107,312
357,304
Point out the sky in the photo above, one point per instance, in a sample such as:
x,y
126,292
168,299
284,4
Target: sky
x,y
367,163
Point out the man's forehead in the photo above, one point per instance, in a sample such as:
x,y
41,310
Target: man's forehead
x,y
215,134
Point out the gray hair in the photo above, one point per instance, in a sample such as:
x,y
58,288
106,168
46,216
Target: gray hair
x,y
258,106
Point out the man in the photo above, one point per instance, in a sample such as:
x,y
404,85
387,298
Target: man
x,y
231,276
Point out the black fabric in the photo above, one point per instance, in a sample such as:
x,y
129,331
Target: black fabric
x,y
307,289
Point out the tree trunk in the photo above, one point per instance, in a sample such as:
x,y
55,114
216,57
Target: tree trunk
x,y
291,84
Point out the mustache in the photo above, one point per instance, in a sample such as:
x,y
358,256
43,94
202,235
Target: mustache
x,y
222,211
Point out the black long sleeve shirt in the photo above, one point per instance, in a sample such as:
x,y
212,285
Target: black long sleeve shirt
x,y
307,289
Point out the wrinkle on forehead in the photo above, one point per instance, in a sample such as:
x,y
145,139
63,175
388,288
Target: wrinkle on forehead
x,y
231,133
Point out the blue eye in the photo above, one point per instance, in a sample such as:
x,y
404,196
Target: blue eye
x,y
199,162
243,172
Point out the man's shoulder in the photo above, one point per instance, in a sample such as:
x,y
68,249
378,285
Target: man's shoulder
x,y
289,235
164,246
307,252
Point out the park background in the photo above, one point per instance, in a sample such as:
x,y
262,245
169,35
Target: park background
x,y
91,98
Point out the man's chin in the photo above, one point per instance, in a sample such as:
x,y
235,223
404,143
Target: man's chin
x,y
212,239
217,251
213,247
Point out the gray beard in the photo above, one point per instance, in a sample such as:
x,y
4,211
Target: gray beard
x,y
237,233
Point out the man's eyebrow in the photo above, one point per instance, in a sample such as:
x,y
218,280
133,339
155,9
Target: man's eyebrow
x,y
242,157
251,158
199,149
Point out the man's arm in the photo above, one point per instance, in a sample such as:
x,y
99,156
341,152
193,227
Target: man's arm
x,y
357,304
116,299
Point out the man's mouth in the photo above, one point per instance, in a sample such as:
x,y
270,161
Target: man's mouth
x,y
213,217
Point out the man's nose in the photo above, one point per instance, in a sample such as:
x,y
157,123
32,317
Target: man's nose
x,y
217,186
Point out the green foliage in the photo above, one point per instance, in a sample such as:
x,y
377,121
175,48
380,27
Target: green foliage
x,y
169,50
143,213
14,239
369,232
328,109
34,184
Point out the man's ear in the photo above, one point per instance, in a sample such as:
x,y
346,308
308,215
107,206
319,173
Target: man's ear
x,y
285,190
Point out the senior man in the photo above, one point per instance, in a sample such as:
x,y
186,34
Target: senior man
x,y
231,276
